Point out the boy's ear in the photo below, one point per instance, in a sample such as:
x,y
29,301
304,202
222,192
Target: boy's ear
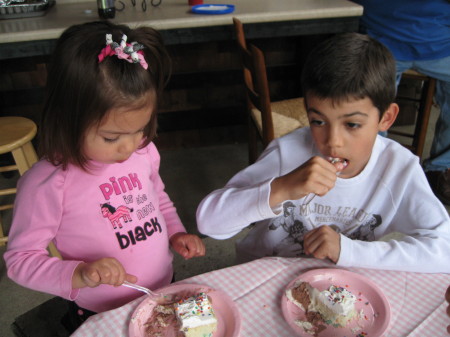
x,y
389,117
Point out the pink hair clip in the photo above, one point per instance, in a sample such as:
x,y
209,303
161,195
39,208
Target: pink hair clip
x,y
130,52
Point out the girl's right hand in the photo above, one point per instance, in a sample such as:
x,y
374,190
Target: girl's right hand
x,y
104,271
317,176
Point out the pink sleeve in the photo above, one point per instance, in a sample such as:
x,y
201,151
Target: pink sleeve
x,y
173,221
36,218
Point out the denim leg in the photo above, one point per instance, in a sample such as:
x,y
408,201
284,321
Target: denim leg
x,y
401,67
440,149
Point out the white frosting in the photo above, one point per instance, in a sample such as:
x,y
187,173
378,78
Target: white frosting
x,y
336,304
307,326
195,311
336,299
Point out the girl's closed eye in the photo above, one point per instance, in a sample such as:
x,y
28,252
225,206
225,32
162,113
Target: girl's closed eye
x,y
110,140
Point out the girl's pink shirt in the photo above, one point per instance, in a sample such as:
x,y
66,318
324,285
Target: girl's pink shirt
x,y
116,210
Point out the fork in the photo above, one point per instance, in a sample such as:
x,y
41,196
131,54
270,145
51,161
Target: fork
x,y
311,196
160,296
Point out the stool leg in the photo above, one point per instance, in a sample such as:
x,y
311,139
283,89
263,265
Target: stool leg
x,y
53,251
30,154
3,238
24,157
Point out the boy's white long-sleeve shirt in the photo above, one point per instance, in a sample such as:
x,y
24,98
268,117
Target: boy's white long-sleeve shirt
x,y
390,195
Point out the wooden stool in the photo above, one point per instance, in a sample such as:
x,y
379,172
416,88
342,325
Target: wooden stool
x,y
425,102
16,134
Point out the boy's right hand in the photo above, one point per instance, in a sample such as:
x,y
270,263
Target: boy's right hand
x,y
104,271
317,176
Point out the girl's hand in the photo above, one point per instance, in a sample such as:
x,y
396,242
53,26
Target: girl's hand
x,y
323,242
187,245
447,298
316,176
104,271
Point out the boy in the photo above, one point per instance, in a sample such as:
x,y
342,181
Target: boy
x,y
349,186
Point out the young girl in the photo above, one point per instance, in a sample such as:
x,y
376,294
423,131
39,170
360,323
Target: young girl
x,y
96,193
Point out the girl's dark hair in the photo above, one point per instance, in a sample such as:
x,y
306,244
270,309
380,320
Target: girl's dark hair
x,y
81,91
351,66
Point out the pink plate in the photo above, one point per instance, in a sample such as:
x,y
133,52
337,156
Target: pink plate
x,y
370,299
227,313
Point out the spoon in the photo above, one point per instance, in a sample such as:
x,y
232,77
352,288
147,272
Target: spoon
x,y
332,160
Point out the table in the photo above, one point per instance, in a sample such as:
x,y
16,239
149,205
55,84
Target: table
x,y
417,300
207,75
267,18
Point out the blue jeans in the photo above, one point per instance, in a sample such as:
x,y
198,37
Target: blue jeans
x,y
440,70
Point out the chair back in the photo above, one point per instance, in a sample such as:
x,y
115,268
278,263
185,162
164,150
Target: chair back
x,y
255,80
424,103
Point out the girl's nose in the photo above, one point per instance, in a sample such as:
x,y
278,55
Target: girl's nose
x,y
128,146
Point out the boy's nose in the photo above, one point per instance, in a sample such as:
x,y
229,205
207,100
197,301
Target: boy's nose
x,y
334,138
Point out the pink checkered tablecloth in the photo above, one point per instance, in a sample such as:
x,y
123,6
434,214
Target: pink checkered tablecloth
x,y
417,300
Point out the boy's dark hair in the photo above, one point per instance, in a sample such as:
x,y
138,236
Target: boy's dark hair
x,y
81,91
351,66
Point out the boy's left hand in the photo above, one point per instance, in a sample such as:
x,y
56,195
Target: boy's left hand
x,y
323,242
187,245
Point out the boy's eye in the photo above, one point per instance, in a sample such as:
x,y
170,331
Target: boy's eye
x,y
353,125
316,122
110,140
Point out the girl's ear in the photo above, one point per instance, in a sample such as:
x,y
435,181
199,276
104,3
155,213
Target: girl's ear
x,y
389,117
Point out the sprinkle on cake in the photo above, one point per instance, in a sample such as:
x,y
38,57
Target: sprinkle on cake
x,y
196,316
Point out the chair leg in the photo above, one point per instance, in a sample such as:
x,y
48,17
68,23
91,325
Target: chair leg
x,y
252,142
423,116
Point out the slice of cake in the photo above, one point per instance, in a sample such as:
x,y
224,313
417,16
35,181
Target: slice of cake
x,y
196,316
335,305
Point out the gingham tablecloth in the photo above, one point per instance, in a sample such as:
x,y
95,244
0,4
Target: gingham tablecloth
x,y
417,300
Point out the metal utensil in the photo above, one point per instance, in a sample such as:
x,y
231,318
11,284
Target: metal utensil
x,y
311,196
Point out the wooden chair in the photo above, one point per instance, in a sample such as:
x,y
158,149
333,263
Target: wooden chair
x,y
266,120
425,103
16,134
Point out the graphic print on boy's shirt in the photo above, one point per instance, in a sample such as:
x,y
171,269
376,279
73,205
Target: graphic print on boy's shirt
x,y
297,219
133,216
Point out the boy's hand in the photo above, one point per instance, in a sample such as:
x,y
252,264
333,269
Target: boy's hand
x,y
104,271
316,176
187,245
323,242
